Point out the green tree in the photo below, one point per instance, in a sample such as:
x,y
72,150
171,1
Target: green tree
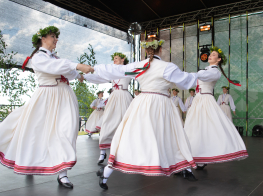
x,y
84,91
10,85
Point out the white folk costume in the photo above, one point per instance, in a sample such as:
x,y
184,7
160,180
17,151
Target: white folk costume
x,y
178,102
118,102
150,139
39,138
95,116
189,102
223,101
99,123
212,135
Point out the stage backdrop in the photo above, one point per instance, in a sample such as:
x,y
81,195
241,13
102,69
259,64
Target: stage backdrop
x,y
186,38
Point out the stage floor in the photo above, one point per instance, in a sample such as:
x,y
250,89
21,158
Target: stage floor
x,y
239,178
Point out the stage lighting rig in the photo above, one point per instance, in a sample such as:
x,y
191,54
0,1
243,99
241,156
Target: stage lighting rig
x,y
205,52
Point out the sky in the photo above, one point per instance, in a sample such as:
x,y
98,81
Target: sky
x,y
18,23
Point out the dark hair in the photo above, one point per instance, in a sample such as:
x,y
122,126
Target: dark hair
x,y
39,44
220,64
150,51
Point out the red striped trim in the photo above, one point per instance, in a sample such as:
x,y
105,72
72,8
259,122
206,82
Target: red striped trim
x,y
105,146
222,158
35,170
87,131
149,170
97,127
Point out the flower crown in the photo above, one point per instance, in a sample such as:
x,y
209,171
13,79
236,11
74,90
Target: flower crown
x,y
226,87
175,90
224,59
123,56
43,32
154,44
191,89
100,92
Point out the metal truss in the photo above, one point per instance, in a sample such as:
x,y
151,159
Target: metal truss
x,y
84,7
204,15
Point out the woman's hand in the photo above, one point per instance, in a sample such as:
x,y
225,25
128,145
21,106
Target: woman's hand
x,y
94,107
234,112
81,79
85,68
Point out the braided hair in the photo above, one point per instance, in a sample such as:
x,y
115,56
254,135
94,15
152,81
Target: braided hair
x,y
150,51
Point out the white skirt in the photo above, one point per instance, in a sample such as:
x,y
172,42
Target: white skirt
x,y
115,109
213,137
39,138
227,111
180,114
99,123
93,120
150,139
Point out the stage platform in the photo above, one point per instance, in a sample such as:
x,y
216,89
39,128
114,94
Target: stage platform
x,y
238,178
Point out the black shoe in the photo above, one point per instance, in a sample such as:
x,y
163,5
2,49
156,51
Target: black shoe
x,y
68,185
178,174
101,161
100,174
188,175
201,167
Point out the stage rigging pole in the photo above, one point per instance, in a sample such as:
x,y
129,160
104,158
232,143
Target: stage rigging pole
x,y
198,45
247,80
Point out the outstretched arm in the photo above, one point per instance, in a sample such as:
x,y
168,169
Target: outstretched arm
x,y
113,72
96,79
183,80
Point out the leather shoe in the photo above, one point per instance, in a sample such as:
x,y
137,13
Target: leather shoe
x,y
188,175
100,174
201,167
68,185
101,161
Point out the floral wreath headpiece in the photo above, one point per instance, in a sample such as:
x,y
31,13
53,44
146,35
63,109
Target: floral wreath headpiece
x,y
226,87
154,44
175,90
109,91
215,48
100,92
43,32
191,89
123,56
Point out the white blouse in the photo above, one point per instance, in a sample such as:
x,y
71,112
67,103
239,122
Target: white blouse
x,y
189,101
172,73
222,98
51,64
181,104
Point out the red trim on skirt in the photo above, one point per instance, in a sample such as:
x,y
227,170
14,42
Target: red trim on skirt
x,y
222,158
149,170
97,127
87,131
105,146
35,170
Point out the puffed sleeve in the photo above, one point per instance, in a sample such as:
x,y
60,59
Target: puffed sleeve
x,y
93,103
210,75
219,100
183,80
183,108
95,79
114,72
42,63
72,75
232,104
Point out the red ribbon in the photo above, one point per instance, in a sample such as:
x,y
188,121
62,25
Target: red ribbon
x,y
197,86
236,84
63,79
116,86
25,63
105,102
143,70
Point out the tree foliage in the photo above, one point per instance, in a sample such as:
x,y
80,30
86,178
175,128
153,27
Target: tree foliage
x,y
11,85
85,92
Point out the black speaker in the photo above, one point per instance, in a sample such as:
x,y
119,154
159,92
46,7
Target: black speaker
x,y
257,131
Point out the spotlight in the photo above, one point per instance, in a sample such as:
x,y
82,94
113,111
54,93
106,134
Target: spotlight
x,y
205,52
257,131
205,28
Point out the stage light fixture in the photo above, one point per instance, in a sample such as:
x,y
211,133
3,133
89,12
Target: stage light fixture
x,y
205,28
205,52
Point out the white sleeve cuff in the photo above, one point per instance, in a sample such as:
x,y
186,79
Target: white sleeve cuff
x,y
73,66
78,76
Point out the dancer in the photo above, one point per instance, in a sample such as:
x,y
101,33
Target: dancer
x,y
212,135
150,139
178,102
39,138
104,103
223,101
98,106
116,107
190,99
